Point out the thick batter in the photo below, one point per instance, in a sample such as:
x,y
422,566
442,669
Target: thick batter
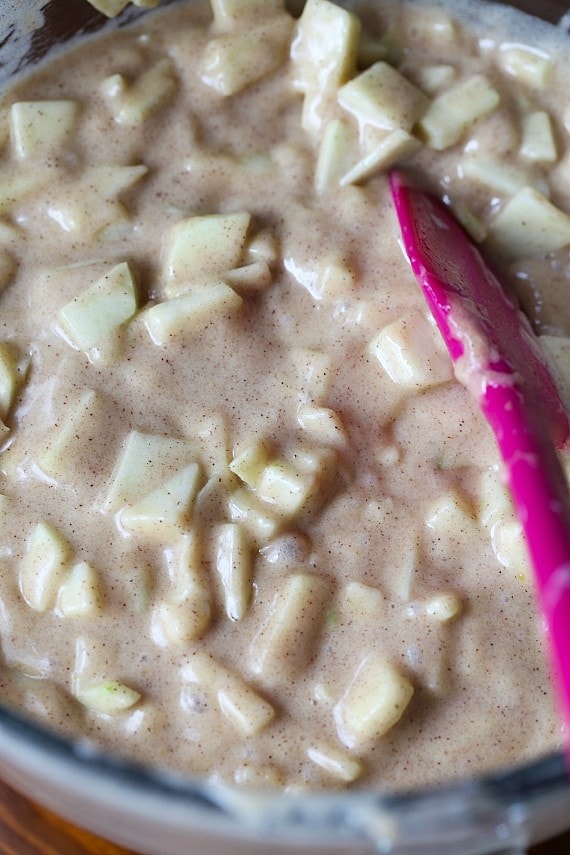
x,y
252,528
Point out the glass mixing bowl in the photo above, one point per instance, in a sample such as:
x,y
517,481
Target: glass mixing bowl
x,y
159,813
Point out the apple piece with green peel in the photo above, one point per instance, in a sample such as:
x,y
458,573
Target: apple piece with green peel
x,y
43,566
163,514
202,249
190,312
90,318
110,698
40,128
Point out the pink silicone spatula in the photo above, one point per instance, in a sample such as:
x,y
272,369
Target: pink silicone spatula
x,y
497,357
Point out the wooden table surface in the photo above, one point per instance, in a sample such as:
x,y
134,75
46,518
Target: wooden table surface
x,y
27,829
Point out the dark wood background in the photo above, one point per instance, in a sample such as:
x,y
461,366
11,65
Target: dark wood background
x,y
27,829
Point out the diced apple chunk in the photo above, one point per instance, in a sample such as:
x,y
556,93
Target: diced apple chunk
x,y
282,485
80,594
250,461
322,424
41,127
202,249
15,185
373,703
494,498
538,143
235,60
453,112
557,352
179,622
110,698
528,65
449,514
134,104
245,708
411,352
79,425
335,280
324,54
111,8
433,78
262,247
145,463
185,614
103,186
383,98
491,172
163,513
282,647
229,13
314,370
509,546
13,370
257,518
529,225
250,278
444,606
338,764
190,312
235,568
91,317
333,155
43,566
357,602
395,147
